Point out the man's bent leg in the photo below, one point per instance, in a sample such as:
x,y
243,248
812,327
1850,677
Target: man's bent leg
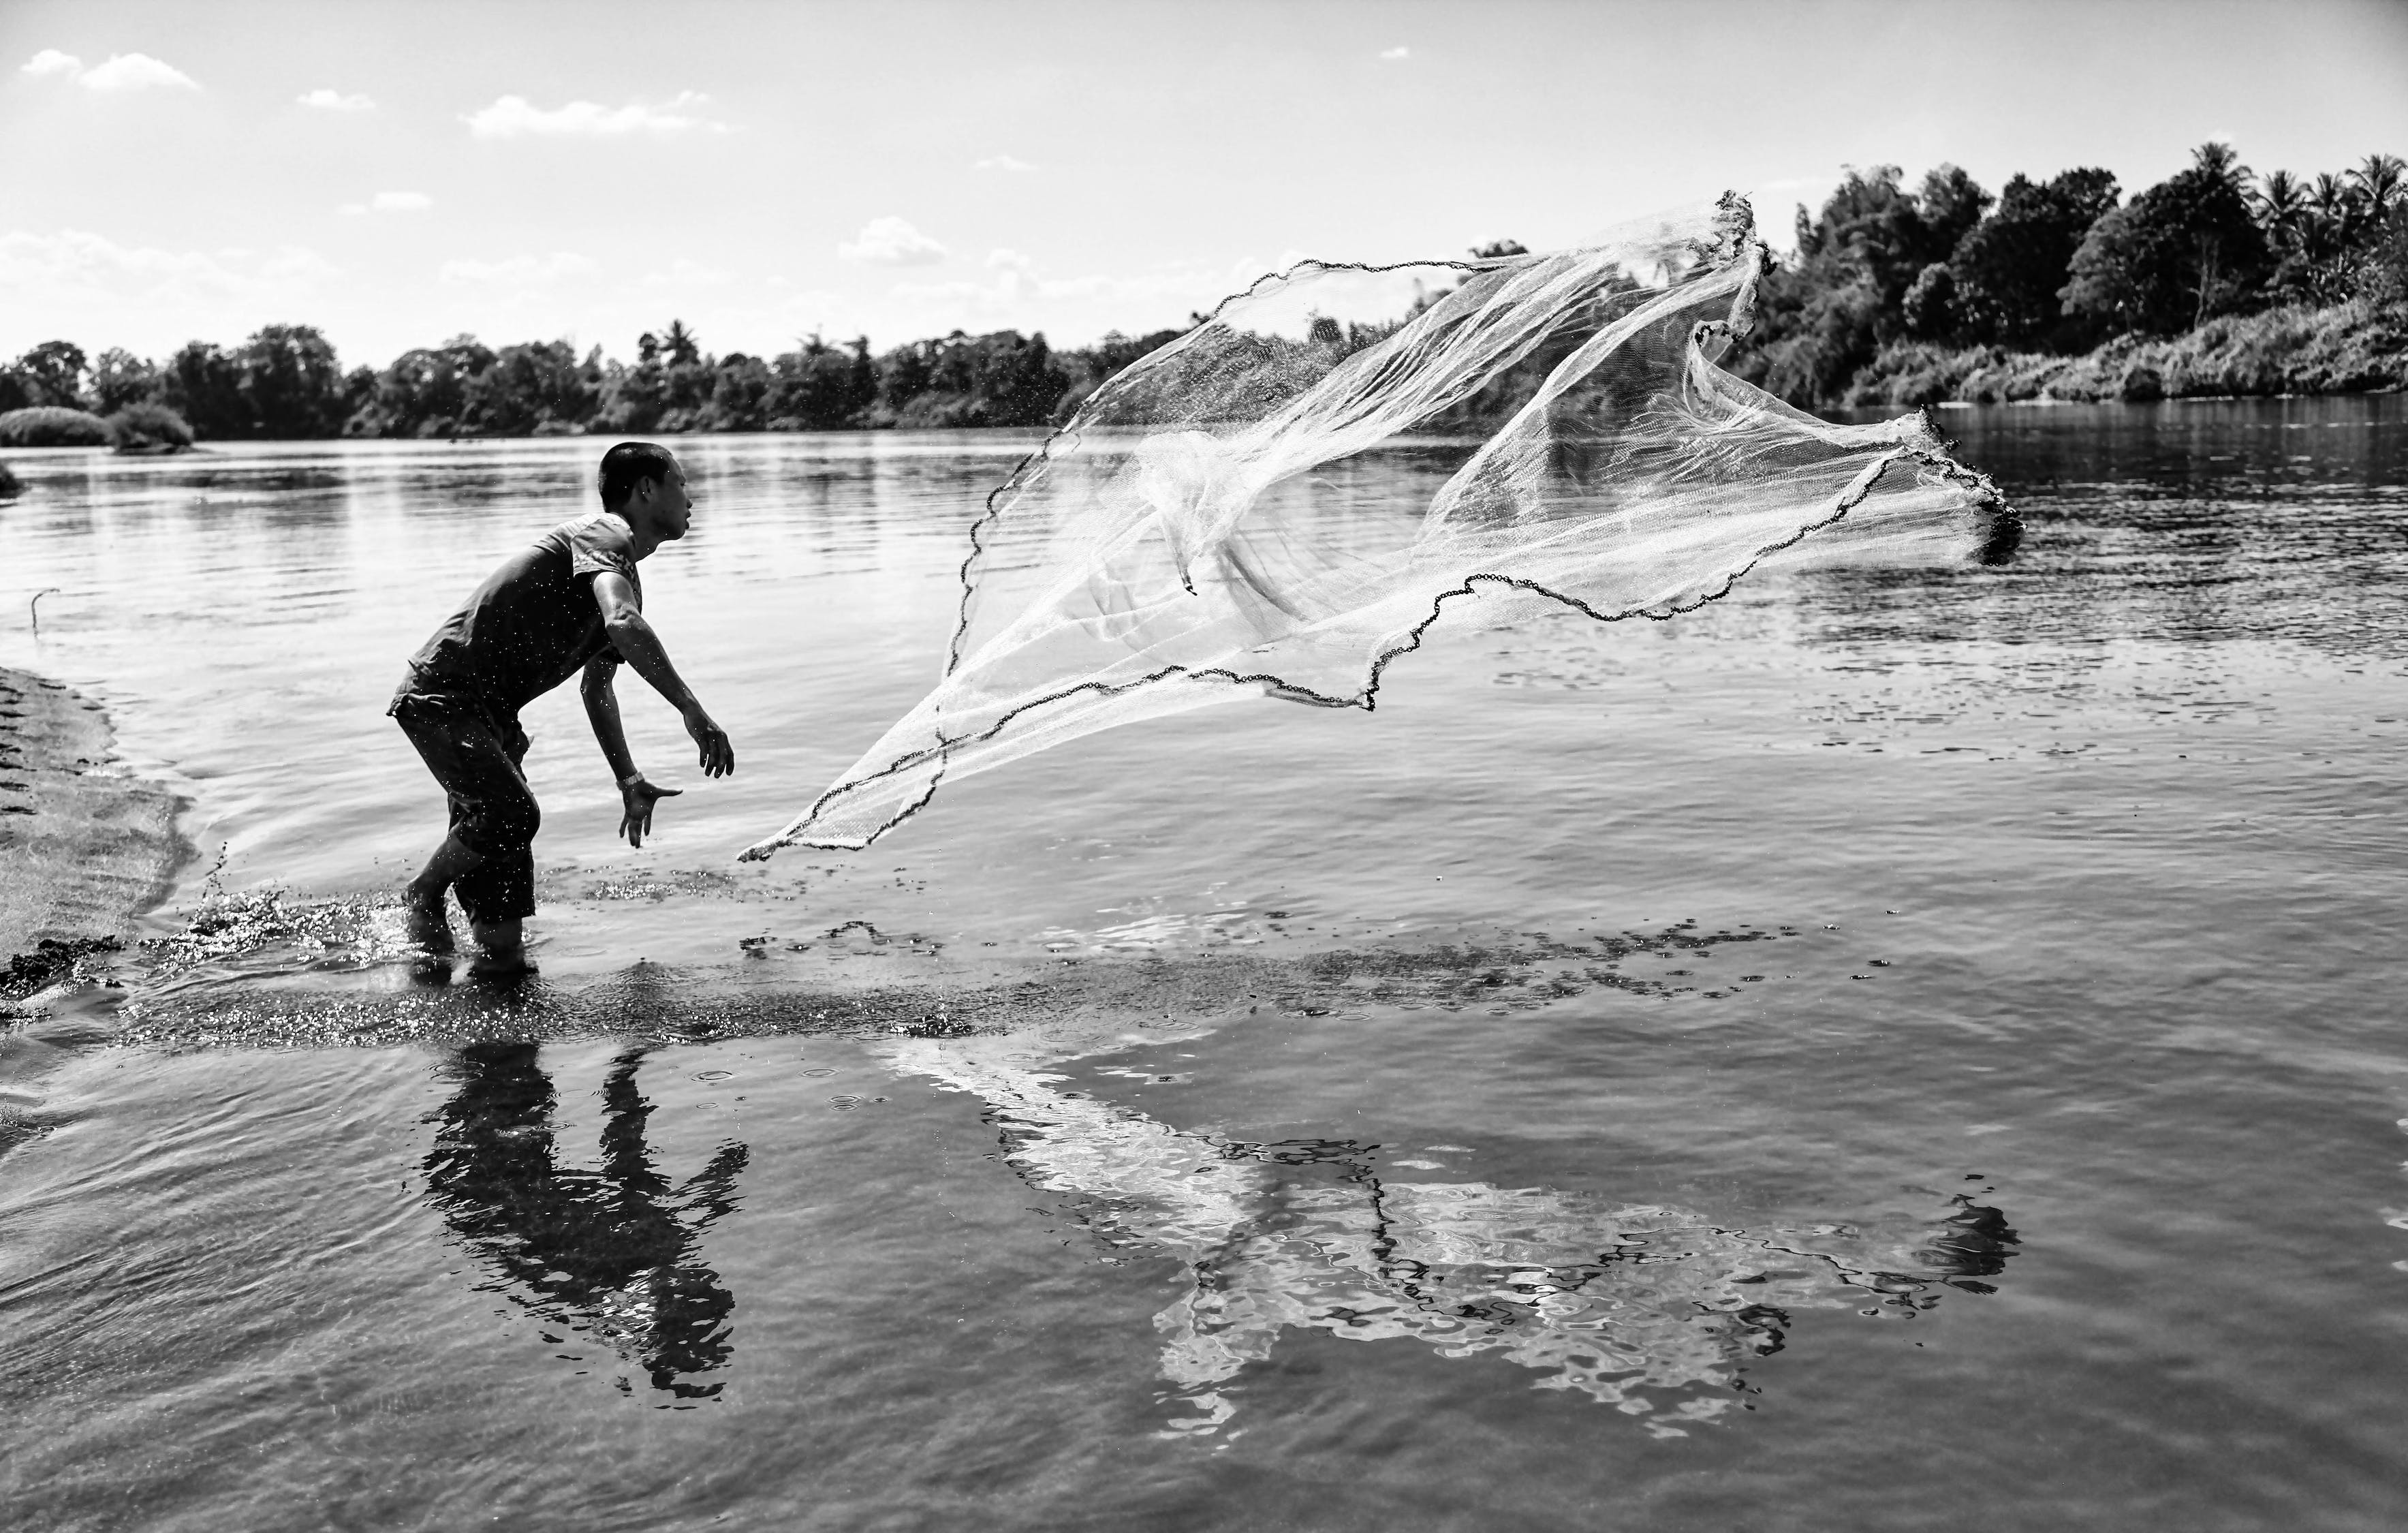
x,y
428,925
487,858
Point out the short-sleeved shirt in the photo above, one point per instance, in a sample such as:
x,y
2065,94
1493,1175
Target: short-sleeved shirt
x,y
533,624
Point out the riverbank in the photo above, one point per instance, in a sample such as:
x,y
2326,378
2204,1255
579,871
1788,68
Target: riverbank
x,y
85,848
2352,348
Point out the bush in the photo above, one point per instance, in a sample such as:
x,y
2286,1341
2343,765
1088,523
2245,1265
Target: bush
x,y
52,425
9,488
150,427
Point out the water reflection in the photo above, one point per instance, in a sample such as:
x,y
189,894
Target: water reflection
x,y
613,1251
1653,1310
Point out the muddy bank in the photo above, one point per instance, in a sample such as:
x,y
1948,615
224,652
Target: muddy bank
x,y
85,846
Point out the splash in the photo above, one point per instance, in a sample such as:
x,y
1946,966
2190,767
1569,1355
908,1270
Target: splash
x,y
1547,431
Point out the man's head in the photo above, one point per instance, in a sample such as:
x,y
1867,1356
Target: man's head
x,y
642,482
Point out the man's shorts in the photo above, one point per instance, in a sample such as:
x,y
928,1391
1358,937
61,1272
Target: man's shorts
x,y
477,760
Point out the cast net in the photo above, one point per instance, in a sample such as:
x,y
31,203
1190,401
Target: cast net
x,y
1283,500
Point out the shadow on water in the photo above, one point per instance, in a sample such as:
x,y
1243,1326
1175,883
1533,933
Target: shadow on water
x,y
611,1250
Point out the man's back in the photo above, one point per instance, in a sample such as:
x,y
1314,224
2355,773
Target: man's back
x,y
533,622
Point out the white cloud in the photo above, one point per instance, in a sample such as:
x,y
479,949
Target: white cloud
x,y
334,100
1004,260
134,72
400,202
512,117
519,270
891,241
119,72
1001,162
1394,55
74,269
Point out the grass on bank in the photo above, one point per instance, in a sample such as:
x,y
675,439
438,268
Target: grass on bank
x,y
2353,348
143,428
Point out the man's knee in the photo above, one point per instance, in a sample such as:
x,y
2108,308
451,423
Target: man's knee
x,y
512,822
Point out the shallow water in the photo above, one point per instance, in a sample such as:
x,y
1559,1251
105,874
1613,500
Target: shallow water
x,y
1894,1046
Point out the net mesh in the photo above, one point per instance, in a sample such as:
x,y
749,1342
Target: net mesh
x,y
1283,500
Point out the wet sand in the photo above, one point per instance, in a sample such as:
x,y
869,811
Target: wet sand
x,y
85,846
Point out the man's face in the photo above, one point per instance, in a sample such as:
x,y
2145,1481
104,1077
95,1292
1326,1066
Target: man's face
x,y
672,508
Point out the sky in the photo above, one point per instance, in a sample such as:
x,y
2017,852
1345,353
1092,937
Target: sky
x,y
397,174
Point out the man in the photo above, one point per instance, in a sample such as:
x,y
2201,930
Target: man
x,y
571,602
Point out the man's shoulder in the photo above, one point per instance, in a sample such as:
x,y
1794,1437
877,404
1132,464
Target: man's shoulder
x,y
595,542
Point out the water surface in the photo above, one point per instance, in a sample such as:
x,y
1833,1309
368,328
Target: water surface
x,y
1894,1045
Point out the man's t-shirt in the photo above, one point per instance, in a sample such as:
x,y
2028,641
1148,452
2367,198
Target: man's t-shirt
x,y
533,624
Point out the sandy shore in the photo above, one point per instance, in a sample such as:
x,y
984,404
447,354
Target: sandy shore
x,y
85,846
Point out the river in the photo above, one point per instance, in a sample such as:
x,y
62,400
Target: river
x,y
1892,1046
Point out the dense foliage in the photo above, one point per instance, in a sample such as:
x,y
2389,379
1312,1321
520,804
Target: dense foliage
x,y
1886,280
1893,292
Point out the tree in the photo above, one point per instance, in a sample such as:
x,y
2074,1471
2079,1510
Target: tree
x,y
290,383
680,343
2182,251
54,374
2377,183
524,389
819,387
2214,159
1497,250
424,391
2009,267
2279,203
1843,297
121,379
203,386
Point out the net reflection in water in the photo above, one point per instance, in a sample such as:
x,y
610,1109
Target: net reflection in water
x,y
1626,1304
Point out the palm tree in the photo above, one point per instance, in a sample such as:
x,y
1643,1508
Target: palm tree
x,y
2218,161
2378,181
2279,203
680,343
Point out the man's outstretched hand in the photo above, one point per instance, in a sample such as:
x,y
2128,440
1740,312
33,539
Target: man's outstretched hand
x,y
718,756
639,796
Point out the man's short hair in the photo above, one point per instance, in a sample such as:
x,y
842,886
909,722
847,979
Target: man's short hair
x,y
626,462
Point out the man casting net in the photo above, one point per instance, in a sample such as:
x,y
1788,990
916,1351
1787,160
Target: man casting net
x,y
1197,532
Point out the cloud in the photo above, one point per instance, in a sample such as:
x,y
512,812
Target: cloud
x,y
1006,260
334,100
891,241
1001,162
513,117
119,72
1394,55
519,270
401,202
74,266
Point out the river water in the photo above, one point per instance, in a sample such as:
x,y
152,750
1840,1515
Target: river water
x,y
1893,1047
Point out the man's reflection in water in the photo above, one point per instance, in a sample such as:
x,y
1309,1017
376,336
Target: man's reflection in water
x,y
611,1251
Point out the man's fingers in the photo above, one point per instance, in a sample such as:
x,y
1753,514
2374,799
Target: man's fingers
x,y
663,793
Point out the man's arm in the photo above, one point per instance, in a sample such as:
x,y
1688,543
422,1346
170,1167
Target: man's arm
x,y
639,647
636,796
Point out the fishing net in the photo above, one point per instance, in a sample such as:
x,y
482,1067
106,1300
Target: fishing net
x,y
1283,500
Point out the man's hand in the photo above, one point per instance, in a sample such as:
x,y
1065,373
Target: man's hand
x,y
639,796
718,756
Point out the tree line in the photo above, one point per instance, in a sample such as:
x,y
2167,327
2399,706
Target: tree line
x,y
2054,266
285,382
2061,265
